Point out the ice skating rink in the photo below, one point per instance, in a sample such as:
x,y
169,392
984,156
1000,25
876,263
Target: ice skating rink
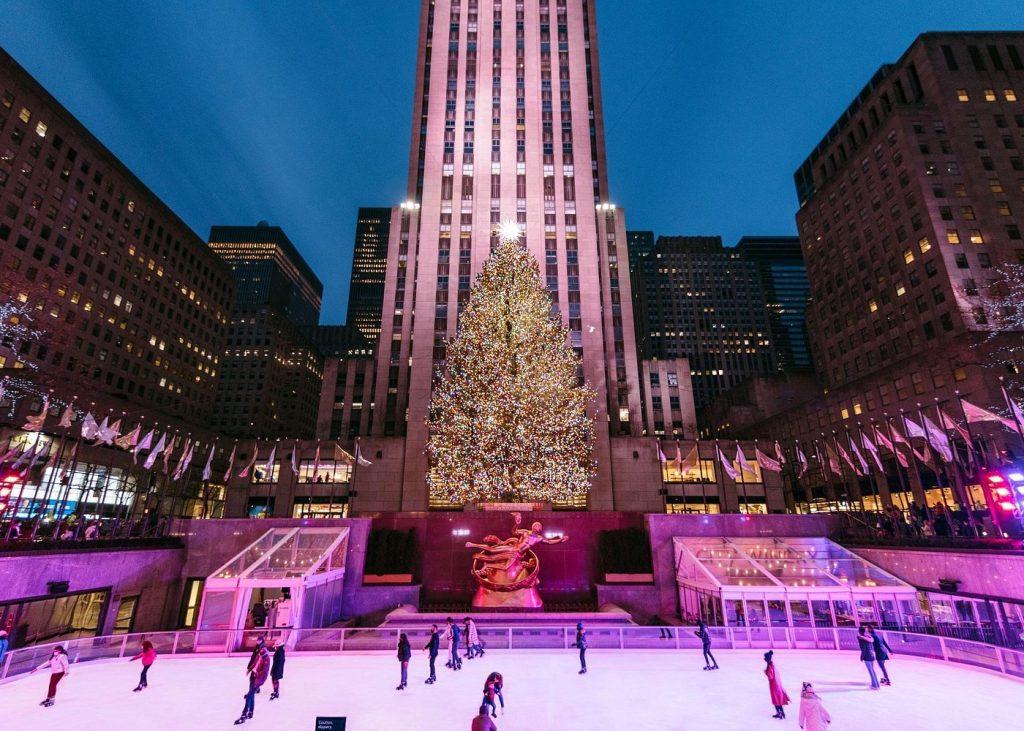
x,y
631,690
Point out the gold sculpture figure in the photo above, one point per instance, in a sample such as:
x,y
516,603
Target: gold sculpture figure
x,y
510,567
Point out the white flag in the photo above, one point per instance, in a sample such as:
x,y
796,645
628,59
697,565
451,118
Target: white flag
x,y
295,463
268,474
208,468
938,438
872,450
726,465
161,443
363,462
67,417
802,459
143,444
89,427
742,460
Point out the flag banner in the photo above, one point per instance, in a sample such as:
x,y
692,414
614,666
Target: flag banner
x,y
208,467
184,460
864,469
780,457
89,427
67,417
802,459
913,428
661,454
363,462
766,462
1018,416
142,445
974,414
129,440
231,462
822,462
26,457
690,462
161,444
35,423
726,464
679,457
885,442
833,462
741,460
268,466
246,469
169,452
938,438
865,440
66,472
949,424
316,462
103,432
848,459
295,462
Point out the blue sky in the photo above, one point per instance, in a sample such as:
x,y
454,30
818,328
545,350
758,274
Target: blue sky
x,y
298,112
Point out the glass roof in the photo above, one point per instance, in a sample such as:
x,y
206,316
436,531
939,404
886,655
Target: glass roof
x,y
792,563
288,553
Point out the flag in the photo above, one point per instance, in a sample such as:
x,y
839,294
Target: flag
x,y
363,462
231,462
780,456
11,453
102,430
67,417
802,459
316,462
184,460
885,442
142,445
35,423
949,424
869,445
268,468
661,454
938,439
246,469
208,467
691,461
766,462
913,428
66,472
171,446
161,443
975,414
129,440
741,459
848,459
295,462
822,462
1018,416
108,433
89,427
833,462
726,464
26,458
864,469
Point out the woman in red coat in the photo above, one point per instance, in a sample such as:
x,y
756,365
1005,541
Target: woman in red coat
x,y
148,657
779,697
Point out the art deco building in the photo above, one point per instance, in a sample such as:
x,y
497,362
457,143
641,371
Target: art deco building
x,y
270,384
369,259
131,306
507,128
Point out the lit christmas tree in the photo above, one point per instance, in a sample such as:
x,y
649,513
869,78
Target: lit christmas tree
x,y
508,417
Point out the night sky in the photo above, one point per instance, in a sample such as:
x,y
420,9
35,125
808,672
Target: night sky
x,y
299,112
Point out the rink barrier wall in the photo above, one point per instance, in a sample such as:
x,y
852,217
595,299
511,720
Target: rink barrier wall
x,y
213,643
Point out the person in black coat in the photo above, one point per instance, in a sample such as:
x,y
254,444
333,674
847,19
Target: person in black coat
x,y
581,643
882,651
710,663
404,655
867,654
432,647
277,668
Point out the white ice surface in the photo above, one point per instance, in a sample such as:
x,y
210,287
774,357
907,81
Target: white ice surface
x,y
630,690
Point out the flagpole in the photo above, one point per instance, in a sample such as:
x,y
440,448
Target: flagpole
x,y
352,477
854,452
76,454
896,458
701,476
957,472
936,458
45,503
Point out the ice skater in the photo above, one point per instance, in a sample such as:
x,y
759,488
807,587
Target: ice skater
x,y
404,655
258,672
867,654
483,722
433,647
148,657
489,695
473,646
813,716
452,636
499,684
882,651
277,668
710,663
58,665
778,695
581,643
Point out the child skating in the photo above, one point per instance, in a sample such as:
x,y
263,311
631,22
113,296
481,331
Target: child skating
x,y
148,657
57,663
710,663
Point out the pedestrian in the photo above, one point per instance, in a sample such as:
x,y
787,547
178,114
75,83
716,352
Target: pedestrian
x,y
867,654
277,668
882,650
473,639
813,716
499,684
4,644
258,673
404,655
148,656
483,722
705,641
261,642
432,647
452,636
58,665
489,695
778,695
581,643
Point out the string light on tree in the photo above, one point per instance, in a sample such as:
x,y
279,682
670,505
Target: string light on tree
x,y
508,417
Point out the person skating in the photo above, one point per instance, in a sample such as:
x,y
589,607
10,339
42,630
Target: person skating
x,y
482,721
710,663
452,635
4,644
474,648
778,695
433,647
58,665
148,656
277,668
867,654
258,673
404,655
489,695
813,716
581,643
882,651
499,684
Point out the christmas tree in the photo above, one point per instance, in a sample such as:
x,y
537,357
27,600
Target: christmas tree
x,y
508,417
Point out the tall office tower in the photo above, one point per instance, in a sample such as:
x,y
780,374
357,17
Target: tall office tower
x,y
131,307
780,263
369,257
704,303
269,384
508,128
639,243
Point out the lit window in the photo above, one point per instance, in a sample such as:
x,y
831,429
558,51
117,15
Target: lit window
x,y
845,412
857,409
924,245
1004,208
623,414
41,129
900,290
995,186
990,95
1010,95
25,115
953,236
908,256
873,306
976,237
961,95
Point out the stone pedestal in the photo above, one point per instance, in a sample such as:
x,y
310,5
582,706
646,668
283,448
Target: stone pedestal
x,y
511,601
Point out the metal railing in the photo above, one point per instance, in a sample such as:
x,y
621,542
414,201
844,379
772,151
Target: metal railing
x,y
340,640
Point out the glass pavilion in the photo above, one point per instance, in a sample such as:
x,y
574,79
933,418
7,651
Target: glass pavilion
x,y
296,573
768,584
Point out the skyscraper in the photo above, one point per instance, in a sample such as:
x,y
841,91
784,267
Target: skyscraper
x,y
369,257
780,263
269,385
508,129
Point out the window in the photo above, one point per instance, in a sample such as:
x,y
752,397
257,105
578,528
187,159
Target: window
x,y
908,256
924,245
124,623
24,115
976,237
990,95
961,95
1010,95
952,236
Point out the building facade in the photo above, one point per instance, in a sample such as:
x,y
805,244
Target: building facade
x,y
639,244
780,262
369,258
508,129
270,384
131,306
702,302
346,396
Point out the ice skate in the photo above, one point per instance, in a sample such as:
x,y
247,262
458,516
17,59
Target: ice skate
x,y
275,695
137,688
240,720
47,703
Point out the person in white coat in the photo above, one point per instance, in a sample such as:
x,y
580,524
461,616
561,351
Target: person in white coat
x,y
813,716
58,665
